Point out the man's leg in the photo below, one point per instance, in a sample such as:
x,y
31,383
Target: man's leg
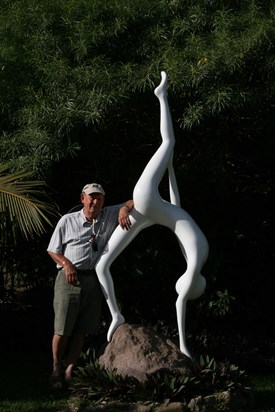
x,y
59,345
74,350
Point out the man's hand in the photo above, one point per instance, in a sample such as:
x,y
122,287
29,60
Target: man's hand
x,y
71,274
123,217
69,269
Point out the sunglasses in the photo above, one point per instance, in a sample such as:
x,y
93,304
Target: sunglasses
x,y
93,243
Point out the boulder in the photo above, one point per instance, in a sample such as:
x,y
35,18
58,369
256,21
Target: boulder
x,y
138,351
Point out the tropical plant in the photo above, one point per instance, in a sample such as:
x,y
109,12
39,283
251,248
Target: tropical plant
x,y
213,376
25,212
99,384
220,304
24,205
209,377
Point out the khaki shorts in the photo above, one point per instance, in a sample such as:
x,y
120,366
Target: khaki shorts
x,y
77,309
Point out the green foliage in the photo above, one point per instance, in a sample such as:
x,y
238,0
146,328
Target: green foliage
x,y
221,304
264,387
69,64
164,386
209,376
26,212
77,103
218,376
100,384
24,205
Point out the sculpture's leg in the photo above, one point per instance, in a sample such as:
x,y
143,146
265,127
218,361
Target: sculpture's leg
x,y
148,183
117,243
181,316
193,243
146,196
173,186
168,137
198,286
191,284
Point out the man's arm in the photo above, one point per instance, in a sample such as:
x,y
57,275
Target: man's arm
x,y
67,265
123,215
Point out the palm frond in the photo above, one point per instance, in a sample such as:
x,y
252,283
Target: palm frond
x,y
24,204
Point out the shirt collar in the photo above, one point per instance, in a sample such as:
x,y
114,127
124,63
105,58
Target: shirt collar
x,y
87,221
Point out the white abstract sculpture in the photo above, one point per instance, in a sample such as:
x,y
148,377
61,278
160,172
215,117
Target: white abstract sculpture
x,y
149,209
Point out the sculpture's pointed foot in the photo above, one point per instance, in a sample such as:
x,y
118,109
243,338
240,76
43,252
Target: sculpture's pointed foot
x,y
185,351
160,91
116,322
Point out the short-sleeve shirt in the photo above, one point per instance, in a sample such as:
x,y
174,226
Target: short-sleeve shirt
x,y
73,233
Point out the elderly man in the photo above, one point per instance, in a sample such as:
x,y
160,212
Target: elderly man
x,y
78,241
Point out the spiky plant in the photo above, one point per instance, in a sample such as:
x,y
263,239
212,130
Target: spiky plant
x,y
209,377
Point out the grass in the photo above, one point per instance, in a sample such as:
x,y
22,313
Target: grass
x,y
25,367
264,392
24,384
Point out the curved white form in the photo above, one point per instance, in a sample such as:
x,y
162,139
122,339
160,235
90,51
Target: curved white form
x,y
149,209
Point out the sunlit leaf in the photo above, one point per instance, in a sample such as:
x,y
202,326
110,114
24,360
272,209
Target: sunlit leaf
x,y
24,204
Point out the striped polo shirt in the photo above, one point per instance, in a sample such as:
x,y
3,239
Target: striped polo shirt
x,y
73,232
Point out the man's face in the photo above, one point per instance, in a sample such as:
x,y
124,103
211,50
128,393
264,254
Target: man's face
x,y
92,204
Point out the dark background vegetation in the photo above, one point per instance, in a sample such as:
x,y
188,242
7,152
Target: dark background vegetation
x,y
77,105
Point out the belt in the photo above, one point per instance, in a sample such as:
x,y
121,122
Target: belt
x,y
86,272
83,272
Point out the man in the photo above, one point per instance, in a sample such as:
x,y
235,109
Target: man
x,y
77,243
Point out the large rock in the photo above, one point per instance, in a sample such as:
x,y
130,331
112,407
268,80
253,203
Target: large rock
x,y
137,350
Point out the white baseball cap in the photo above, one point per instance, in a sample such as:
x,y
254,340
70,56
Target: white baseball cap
x,y
93,188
